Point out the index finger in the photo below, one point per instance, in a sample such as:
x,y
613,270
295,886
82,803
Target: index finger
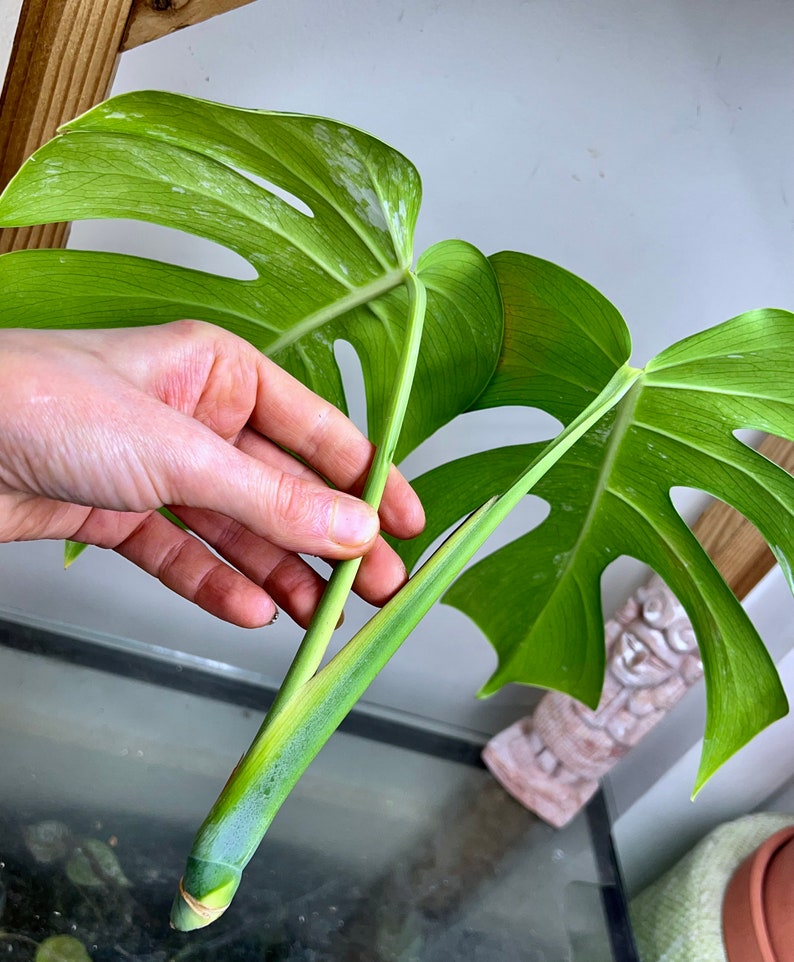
x,y
293,416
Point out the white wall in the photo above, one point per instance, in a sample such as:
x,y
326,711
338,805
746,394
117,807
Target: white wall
x,y
646,147
9,14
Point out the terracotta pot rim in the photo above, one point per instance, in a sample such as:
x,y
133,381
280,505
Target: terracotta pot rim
x,y
745,892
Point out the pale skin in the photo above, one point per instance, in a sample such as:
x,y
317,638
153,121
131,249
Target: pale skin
x,y
98,429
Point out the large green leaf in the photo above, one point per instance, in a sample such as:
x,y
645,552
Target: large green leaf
x,y
323,212
538,599
325,215
563,340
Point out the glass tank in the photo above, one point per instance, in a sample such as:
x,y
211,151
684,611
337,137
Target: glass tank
x,y
396,846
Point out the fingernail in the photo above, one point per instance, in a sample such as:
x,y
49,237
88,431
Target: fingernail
x,y
352,522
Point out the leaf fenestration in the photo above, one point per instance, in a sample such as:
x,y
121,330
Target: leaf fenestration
x,y
245,179
538,599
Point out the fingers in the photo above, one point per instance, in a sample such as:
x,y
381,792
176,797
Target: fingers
x,y
293,585
401,515
381,574
297,419
192,415
268,578
187,567
288,507
224,382
262,506
263,577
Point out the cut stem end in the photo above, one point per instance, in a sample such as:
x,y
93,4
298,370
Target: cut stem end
x,y
188,914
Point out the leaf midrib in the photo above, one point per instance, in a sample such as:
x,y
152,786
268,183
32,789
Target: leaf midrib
x,y
701,452
356,298
249,214
706,389
624,417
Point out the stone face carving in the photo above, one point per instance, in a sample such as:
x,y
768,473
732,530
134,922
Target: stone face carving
x,y
552,761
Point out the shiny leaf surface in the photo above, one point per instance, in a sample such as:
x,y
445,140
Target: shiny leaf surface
x,y
323,212
538,599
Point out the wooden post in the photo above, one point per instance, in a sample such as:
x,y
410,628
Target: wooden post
x,y
62,63
738,551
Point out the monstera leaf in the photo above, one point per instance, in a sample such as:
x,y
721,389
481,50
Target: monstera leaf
x,y
538,599
323,212
325,215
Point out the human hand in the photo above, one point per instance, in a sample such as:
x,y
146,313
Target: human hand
x,y
98,429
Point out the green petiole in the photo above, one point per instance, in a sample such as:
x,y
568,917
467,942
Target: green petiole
x,y
286,745
315,642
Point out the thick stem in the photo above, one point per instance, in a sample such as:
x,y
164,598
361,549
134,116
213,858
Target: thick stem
x,y
617,387
316,640
283,749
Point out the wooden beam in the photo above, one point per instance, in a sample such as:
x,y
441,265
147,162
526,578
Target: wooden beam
x,y
732,543
151,19
62,62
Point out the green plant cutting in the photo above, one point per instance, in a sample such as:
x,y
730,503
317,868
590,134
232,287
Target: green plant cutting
x,y
325,215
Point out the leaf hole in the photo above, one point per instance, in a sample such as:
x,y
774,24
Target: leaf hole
x,y
352,375
481,431
287,196
749,437
690,503
153,241
716,535
526,516
476,431
619,580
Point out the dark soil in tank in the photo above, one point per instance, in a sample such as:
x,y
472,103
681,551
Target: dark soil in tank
x,y
106,882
